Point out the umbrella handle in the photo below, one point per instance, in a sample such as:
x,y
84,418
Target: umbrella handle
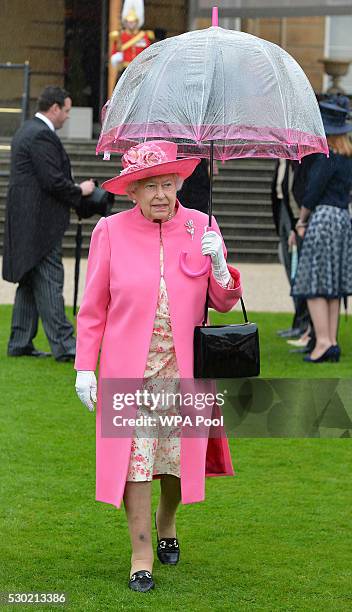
x,y
188,271
77,262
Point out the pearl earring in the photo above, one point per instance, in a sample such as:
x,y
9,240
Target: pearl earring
x,y
134,201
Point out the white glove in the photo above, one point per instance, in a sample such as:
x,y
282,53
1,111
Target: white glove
x,y
116,59
212,245
86,388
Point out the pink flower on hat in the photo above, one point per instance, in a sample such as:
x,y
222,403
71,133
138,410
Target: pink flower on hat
x,y
141,157
150,158
131,157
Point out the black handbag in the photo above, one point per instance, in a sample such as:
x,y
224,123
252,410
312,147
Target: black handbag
x,y
99,202
226,351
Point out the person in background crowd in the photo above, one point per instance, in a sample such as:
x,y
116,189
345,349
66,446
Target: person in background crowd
x,y
324,274
194,192
288,180
41,193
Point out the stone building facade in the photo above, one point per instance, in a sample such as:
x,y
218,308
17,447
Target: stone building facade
x,y
62,38
33,31
41,32
302,37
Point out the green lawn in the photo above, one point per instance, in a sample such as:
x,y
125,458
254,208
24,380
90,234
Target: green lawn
x,y
275,538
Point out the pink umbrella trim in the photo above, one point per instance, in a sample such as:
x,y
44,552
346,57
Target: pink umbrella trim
x,y
260,141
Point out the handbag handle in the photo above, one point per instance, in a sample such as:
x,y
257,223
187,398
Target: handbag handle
x,y
210,220
244,312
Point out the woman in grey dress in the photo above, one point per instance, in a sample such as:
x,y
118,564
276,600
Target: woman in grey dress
x,y
324,273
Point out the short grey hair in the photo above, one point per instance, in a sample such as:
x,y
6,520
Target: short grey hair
x,y
179,182
131,187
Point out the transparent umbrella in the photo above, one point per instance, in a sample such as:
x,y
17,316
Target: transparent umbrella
x,y
219,94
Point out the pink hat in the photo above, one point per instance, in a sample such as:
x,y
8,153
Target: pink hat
x,y
152,158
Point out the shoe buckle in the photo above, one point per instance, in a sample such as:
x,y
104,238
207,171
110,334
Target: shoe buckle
x,y
163,544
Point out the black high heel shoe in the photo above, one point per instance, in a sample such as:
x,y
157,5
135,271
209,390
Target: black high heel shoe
x,y
337,352
331,354
168,549
141,581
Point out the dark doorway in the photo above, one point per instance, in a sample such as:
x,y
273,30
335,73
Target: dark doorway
x,y
83,31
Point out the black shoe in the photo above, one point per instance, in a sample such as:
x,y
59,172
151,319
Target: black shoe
x,y
331,354
168,549
337,351
283,331
290,333
66,357
303,350
141,581
28,352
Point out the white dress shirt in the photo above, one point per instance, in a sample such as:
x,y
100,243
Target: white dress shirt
x,y
46,120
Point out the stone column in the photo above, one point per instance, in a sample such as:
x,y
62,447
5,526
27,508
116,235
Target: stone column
x,y
114,27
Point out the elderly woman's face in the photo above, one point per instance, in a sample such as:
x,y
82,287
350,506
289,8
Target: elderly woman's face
x,y
156,196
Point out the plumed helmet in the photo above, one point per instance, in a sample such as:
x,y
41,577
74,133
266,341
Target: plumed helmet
x,y
133,10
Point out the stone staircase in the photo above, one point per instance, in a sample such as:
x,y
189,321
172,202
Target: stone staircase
x,y
241,201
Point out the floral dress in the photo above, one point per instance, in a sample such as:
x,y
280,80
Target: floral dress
x,y
156,449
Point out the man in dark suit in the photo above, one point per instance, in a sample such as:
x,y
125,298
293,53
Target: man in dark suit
x,y
41,193
194,192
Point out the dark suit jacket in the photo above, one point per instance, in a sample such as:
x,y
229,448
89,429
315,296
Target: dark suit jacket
x,y
41,192
276,203
300,171
195,189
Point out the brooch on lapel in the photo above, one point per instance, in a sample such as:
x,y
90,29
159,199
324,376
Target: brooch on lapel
x,y
190,227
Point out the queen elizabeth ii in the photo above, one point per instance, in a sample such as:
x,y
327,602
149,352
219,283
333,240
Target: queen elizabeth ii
x,y
141,308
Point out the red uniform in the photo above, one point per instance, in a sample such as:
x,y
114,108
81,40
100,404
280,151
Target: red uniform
x,y
132,44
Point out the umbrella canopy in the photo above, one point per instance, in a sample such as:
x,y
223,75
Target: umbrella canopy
x,y
245,95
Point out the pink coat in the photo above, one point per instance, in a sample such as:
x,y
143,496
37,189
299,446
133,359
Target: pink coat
x,y
117,314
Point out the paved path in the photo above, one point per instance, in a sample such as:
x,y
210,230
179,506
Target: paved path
x,y
265,286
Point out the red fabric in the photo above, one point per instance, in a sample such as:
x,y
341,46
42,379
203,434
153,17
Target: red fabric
x,y
136,49
218,456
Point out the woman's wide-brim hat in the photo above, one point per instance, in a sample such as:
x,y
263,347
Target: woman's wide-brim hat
x,y
335,111
151,158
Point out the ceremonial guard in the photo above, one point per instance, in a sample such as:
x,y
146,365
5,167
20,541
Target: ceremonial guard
x,y
131,40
